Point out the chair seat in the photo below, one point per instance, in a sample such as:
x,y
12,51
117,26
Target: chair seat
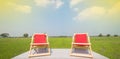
x,y
82,44
39,44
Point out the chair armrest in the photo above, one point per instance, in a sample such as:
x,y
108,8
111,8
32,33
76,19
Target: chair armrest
x,y
39,43
82,43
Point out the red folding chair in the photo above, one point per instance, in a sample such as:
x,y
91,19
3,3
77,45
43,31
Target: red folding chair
x,y
39,45
81,43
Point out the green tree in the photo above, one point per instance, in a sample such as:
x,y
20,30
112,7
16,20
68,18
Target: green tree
x,y
100,35
25,35
4,35
115,35
108,35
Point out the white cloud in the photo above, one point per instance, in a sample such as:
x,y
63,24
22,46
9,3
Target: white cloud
x,y
58,3
11,4
20,8
42,3
95,11
45,3
90,13
23,8
74,2
115,9
76,9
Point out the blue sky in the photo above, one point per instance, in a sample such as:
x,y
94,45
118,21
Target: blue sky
x,y
60,17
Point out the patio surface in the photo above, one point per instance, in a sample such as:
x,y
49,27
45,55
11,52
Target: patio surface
x,y
59,54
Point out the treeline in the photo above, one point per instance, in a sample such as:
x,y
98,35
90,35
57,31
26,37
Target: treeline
x,y
107,35
4,35
60,36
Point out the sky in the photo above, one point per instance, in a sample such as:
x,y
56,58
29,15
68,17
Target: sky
x,y
60,17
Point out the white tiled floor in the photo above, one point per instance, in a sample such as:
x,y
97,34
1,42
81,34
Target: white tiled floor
x,y
59,54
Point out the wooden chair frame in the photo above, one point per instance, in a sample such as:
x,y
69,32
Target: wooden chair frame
x,y
33,47
82,47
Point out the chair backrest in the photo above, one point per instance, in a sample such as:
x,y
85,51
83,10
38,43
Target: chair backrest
x,y
40,38
80,38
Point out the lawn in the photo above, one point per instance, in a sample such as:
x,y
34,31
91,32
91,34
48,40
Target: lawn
x,y
107,46
10,47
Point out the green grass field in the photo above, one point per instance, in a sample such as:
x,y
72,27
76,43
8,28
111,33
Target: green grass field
x,y
107,46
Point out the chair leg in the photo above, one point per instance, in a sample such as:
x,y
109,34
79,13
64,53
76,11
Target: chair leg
x,y
71,49
48,49
91,51
30,50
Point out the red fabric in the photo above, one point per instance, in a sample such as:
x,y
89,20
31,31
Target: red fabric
x,y
82,44
81,38
34,44
39,38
